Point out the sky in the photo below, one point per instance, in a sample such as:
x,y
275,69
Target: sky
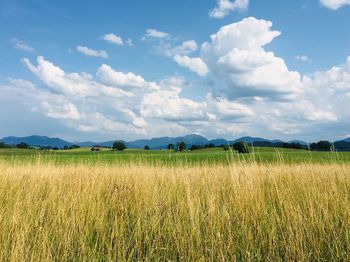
x,y
101,70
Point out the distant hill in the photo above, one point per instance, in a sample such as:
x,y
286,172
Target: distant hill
x,y
249,139
36,141
298,142
219,142
155,143
163,142
90,143
342,145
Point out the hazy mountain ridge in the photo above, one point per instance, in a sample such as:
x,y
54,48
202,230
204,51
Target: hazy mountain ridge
x,y
36,140
160,142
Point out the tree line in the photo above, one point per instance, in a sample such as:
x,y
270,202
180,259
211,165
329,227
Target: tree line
x,y
241,147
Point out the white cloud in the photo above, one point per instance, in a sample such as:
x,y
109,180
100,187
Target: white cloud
x,y
65,111
168,105
123,80
228,110
112,38
20,45
185,48
78,99
334,4
70,84
194,64
22,84
303,58
336,79
154,33
129,42
224,7
243,68
90,52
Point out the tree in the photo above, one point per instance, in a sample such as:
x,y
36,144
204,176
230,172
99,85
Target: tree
x,y
321,146
22,145
3,145
181,146
170,147
195,147
226,147
119,146
146,147
211,145
292,145
241,147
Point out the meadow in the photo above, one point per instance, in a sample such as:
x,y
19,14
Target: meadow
x,y
202,156
269,205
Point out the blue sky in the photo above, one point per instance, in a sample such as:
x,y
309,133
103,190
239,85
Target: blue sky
x,y
133,69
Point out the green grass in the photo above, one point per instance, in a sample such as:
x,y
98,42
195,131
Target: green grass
x,y
210,155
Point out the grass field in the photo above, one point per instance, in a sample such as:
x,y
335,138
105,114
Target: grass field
x,y
271,205
209,156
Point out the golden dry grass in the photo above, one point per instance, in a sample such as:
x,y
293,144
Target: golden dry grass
x,y
127,212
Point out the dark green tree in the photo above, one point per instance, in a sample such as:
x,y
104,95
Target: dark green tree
x,y
321,146
146,147
181,146
22,145
226,147
195,147
241,147
171,147
119,146
3,145
211,145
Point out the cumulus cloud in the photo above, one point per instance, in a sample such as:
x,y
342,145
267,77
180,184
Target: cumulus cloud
x,y
185,48
223,109
90,52
114,39
154,33
334,4
168,105
20,45
65,111
224,7
77,99
336,79
243,68
123,80
194,64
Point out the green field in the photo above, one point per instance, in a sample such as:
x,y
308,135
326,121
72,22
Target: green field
x,y
213,155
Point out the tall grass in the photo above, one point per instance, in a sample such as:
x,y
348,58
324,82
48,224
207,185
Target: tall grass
x,y
106,212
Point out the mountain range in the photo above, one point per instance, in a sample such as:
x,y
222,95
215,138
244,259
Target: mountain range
x,y
36,141
155,143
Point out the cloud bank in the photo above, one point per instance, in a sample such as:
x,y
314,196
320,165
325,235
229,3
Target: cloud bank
x,y
238,88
